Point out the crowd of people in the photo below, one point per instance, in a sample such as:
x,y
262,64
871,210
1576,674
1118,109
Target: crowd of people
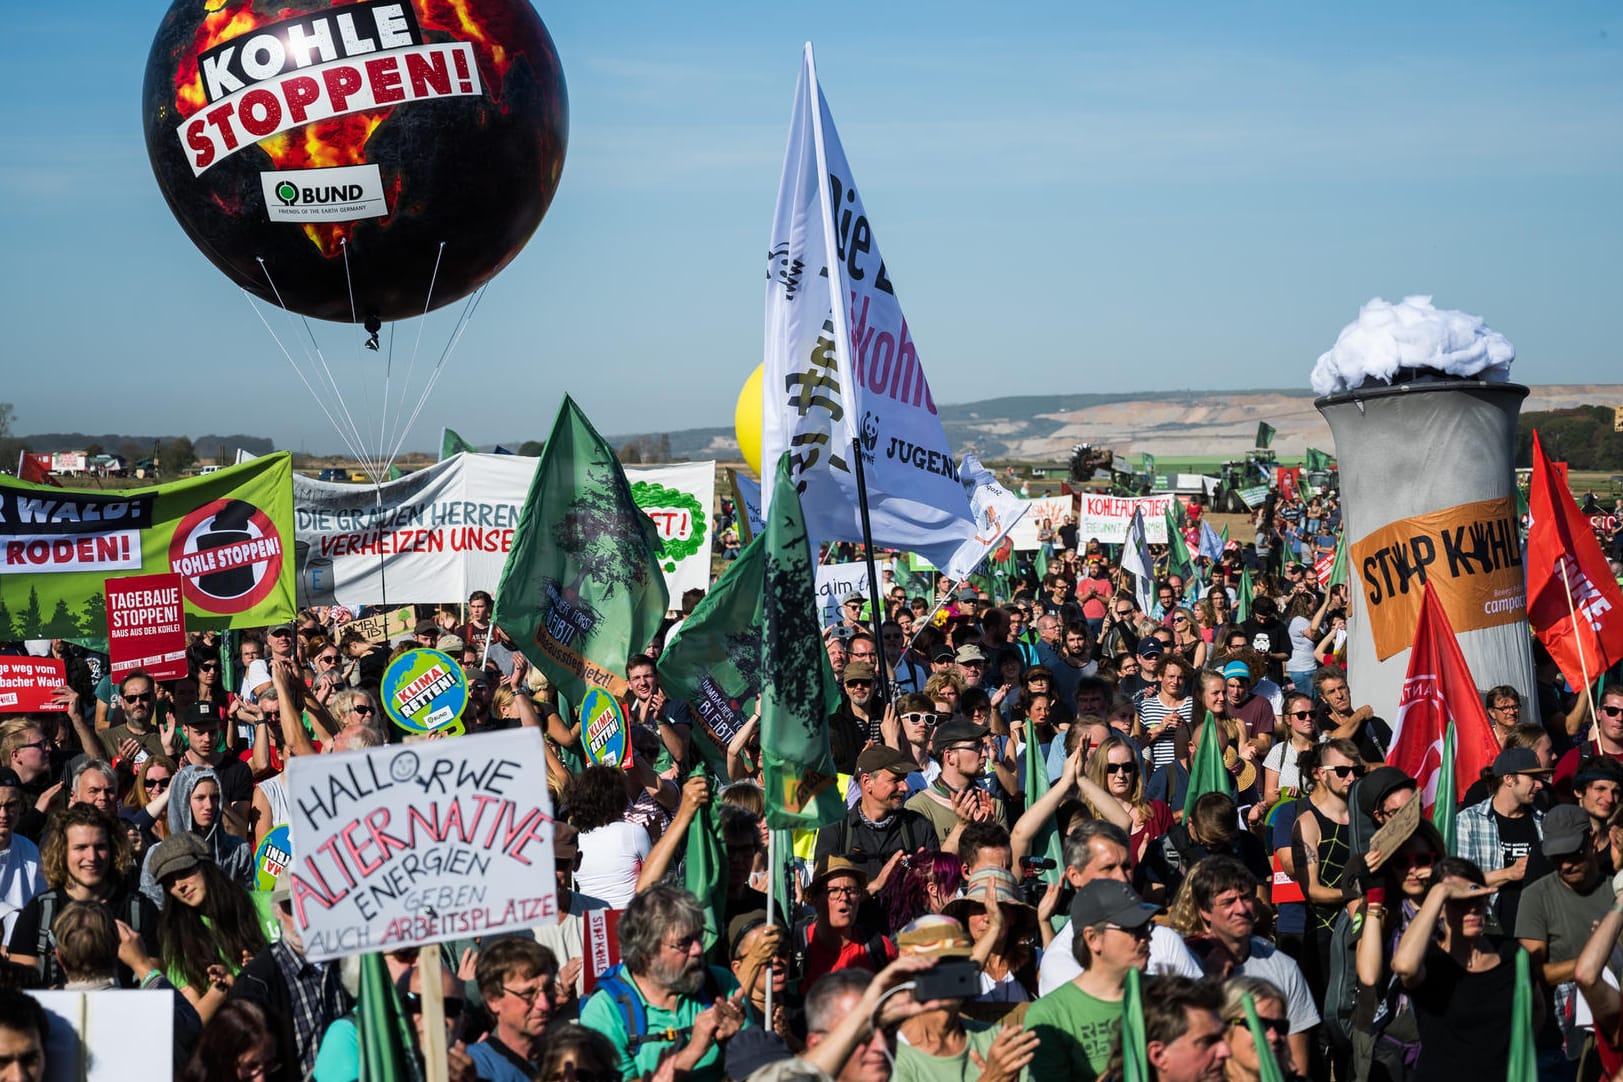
x,y
957,922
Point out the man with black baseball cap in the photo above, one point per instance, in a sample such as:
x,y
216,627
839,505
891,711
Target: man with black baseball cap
x,y
1501,835
878,830
1077,1023
955,797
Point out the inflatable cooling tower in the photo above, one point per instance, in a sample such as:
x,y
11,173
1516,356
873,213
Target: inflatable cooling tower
x,y
1428,495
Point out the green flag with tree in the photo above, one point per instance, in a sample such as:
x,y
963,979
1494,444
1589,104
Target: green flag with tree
x,y
581,590
798,689
711,667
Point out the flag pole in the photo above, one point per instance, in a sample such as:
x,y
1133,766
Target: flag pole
x,y
875,614
924,623
1577,639
771,910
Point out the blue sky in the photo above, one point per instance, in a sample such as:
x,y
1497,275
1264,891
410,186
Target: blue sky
x,y
1069,198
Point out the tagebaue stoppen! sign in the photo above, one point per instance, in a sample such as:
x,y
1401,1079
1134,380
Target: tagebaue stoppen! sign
x,y
424,691
404,846
608,742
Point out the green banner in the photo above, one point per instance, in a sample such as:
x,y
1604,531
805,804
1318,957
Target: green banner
x,y
228,534
798,689
581,590
713,662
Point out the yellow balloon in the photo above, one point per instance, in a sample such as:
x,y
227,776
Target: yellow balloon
x,y
747,419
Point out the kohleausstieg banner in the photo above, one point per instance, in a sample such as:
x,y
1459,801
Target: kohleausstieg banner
x,y
228,534
445,531
842,374
1106,518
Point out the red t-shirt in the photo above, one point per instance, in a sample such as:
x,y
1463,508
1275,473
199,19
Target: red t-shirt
x,y
820,960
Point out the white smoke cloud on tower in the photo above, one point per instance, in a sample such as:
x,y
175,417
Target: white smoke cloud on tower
x,y
1412,334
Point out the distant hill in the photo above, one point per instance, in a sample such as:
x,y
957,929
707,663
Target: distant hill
x,y
1170,424
206,447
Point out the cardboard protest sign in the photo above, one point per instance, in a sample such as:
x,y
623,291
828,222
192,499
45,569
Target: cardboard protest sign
x,y
1470,554
423,690
404,846
384,627
146,627
227,534
608,742
1106,518
26,684
113,1035
834,582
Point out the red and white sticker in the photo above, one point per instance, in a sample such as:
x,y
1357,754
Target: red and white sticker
x,y
228,554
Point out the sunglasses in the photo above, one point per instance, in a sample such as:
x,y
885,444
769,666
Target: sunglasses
x,y
1298,713
1120,768
413,1002
143,697
1346,771
859,683
920,719
1279,1027
362,709
212,666
328,659
1141,932
1420,860
159,784
1612,711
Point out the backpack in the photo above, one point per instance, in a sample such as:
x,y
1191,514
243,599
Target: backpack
x,y
1341,988
634,1013
45,949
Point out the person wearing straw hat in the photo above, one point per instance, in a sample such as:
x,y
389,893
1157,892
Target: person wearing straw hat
x,y
940,1043
834,939
1002,927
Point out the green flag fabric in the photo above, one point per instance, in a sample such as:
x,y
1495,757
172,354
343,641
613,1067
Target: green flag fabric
x,y
1316,460
1179,562
452,444
1135,1057
1040,564
1268,1066
385,1032
1207,774
1047,843
1338,567
1523,1058
1242,604
1442,813
712,665
707,872
798,689
1265,433
581,590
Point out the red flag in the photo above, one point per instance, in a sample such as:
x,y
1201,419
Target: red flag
x,y
1573,602
1436,690
36,469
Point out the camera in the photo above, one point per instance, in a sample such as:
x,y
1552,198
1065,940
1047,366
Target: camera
x,y
1032,888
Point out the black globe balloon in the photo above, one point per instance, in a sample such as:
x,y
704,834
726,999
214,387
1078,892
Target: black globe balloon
x,y
357,161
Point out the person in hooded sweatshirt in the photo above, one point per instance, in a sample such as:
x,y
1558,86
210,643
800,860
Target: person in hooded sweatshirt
x,y
194,805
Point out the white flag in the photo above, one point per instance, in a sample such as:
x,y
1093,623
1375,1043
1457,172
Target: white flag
x,y
840,363
996,511
1135,559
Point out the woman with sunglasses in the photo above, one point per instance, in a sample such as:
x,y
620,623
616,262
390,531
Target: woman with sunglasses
x,y
149,796
572,1053
1460,984
208,928
1245,1063
1393,888
1115,767
1281,769
1187,641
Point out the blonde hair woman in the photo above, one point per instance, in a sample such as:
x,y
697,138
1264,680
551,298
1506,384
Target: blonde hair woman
x,y
1116,767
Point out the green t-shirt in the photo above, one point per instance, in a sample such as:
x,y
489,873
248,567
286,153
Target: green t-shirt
x,y
1075,1031
604,1015
915,1066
